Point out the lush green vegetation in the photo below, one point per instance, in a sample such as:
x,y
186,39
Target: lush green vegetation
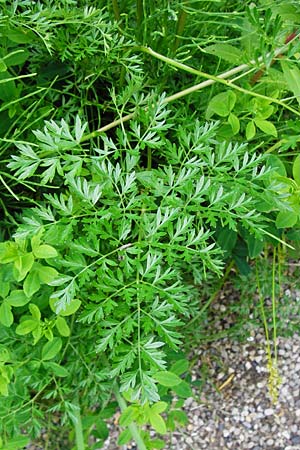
x,y
147,149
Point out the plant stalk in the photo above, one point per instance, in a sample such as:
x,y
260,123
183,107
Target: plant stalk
x,y
132,427
214,295
116,10
78,428
180,27
211,79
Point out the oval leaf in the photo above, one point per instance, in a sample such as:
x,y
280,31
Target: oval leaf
x,y
124,437
158,423
166,378
250,130
17,298
58,370
296,170
45,251
32,283
6,316
51,349
62,326
70,309
266,126
27,326
286,219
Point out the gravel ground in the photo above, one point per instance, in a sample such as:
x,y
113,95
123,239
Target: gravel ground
x,y
240,415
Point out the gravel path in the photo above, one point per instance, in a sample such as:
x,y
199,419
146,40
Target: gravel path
x,y
241,415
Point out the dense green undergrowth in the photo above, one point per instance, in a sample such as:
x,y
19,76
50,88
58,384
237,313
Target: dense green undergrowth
x,y
147,149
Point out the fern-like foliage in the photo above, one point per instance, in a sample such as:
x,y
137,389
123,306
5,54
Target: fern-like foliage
x,y
135,240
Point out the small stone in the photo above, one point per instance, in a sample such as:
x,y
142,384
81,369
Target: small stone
x,y
248,365
295,440
269,412
270,442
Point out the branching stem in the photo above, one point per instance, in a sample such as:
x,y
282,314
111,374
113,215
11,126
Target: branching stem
x,y
210,80
132,427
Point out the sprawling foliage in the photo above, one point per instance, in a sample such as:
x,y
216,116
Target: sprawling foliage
x,y
122,194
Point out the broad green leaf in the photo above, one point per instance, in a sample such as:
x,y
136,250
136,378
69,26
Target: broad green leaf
x,y
46,274
101,431
6,316
183,390
266,126
32,283
70,309
4,288
51,349
180,366
250,130
166,378
35,311
158,423
62,326
36,240
292,78
37,333
16,58
276,164
286,219
8,89
124,437
58,370
159,407
128,415
255,246
225,51
234,123
222,104
226,239
23,264
17,298
26,327
9,252
296,169
4,354
45,251
20,35
3,386
157,444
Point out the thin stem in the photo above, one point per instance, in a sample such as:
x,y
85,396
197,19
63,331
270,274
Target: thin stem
x,y
213,296
116,10
132,427
211,79
217,79
78,428
180,27
274,305
139,18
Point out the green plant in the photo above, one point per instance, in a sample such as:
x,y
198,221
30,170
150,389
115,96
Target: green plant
x,y
125,201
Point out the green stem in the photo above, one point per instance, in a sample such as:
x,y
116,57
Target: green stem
x,y
116,10
180,27
211,79
216,79
274,305
78,428
139,18
214,295
132,427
